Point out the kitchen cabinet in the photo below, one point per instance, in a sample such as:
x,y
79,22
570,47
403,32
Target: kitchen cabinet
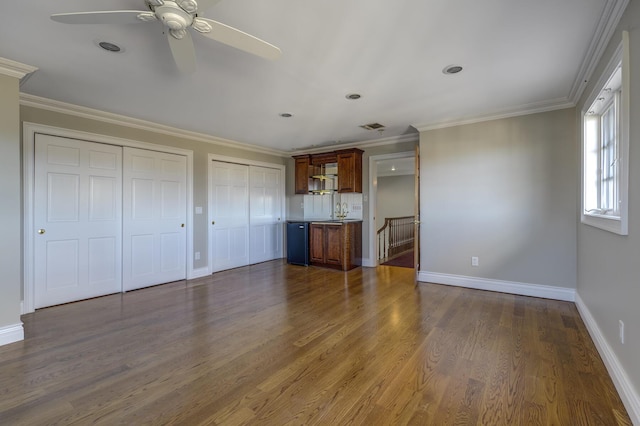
x,y
349,170
302,173
336,245
329,172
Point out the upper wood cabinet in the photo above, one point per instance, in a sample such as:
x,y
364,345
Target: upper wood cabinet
x,y
310,171
303,163
349,170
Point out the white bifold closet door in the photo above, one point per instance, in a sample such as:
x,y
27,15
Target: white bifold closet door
x,y
245,204
265,205
154,218
229,212
77,218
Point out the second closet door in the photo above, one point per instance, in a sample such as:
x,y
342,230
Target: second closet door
x,y
265,206
154,218
229,206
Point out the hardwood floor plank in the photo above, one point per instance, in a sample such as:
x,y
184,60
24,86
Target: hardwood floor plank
x,y
276,344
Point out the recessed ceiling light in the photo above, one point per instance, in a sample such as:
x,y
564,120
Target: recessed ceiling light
x,y
353,96
286,115
109,46
452,69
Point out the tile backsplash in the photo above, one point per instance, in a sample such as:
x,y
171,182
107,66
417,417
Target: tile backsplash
x,y
323,207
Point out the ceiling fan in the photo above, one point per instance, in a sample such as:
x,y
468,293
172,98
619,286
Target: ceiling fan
x,y
177,16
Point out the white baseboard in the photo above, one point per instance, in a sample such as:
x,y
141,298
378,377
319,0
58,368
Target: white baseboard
x,y
628,393
367,262
523,289
11,333
199,273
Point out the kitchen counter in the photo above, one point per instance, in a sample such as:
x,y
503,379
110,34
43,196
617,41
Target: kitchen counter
x,y
335,221
331,221
336,243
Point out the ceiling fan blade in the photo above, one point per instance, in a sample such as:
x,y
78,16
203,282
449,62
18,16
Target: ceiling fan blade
x,y
102,17
183,52
239,39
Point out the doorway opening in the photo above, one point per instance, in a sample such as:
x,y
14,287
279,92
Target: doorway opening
x,y
392,209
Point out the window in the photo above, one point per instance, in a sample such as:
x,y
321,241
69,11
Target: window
x,y
605,148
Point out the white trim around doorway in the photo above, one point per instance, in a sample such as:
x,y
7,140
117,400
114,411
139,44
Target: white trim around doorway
x,y
372,261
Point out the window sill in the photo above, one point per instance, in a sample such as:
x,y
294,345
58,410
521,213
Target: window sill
x,y
612,224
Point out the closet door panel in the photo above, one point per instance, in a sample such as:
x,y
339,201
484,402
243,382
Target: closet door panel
x,y
266,215
155,213
77,218
229,215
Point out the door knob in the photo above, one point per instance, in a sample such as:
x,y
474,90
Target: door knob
x,y
182,226
41,231
213,222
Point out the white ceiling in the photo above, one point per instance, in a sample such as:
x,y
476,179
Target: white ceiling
x,y
518,56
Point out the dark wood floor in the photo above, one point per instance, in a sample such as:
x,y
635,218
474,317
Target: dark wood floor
x,y
275,344
403,260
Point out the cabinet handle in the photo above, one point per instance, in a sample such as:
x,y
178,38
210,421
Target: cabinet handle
x,y
182,226
41,231
213,222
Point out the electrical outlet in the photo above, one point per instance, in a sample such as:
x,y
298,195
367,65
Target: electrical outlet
x,y
197,255
621,326
475,261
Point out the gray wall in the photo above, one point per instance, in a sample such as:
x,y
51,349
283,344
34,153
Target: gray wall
x,y
10,206
609,264
505,191
395,197
200,164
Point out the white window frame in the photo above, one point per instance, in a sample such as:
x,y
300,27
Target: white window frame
x,y
615,220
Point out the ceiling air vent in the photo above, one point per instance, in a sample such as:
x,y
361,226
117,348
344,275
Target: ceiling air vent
x,y
372,126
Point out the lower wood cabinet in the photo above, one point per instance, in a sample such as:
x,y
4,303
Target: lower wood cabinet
x,y
336,245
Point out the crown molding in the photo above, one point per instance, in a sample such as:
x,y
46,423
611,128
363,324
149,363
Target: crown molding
x,y
15,69
411,137
611,15
527,109
135,123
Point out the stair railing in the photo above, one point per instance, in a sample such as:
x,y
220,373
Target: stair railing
x,y
395,237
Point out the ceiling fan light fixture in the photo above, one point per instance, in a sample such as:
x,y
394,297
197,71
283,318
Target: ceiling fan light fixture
x,y
189,6
452,69
111,47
